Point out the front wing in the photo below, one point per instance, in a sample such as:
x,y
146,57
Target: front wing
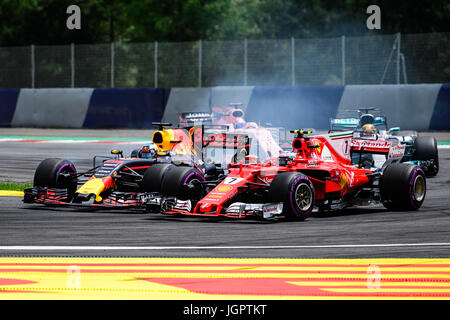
x,y
237,210
61,197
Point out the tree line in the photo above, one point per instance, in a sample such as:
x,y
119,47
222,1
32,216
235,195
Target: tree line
x,y
39,22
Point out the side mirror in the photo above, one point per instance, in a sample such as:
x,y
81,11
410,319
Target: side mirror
x,y
117,152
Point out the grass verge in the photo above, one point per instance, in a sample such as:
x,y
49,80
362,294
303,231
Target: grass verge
x,y
14,186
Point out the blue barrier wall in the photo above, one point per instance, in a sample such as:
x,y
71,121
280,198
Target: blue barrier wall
x,y
125,108
8,101
440,120
421,107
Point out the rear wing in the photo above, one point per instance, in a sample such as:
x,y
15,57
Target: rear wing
x,y
218,146
345,124
188,119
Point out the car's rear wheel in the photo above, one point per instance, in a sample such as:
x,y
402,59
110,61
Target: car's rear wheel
x,y
153,176
403,187
296,192
426,149
56,173
183,183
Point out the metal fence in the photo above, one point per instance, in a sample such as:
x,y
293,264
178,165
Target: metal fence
x,y
381,59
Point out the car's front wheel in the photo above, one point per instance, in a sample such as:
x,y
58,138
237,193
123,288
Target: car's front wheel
x,y
56,173
184,183
153,176
296,192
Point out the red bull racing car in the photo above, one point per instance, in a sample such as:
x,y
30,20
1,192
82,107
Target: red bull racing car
x,y
125,182
117,181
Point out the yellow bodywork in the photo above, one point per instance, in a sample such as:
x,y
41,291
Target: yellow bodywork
x,y
177,140
93,186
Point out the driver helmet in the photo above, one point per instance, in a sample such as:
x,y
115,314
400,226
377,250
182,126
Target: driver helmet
x,y
240,123
369,130
149,150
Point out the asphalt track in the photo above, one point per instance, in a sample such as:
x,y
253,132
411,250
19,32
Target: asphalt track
x,y
28,230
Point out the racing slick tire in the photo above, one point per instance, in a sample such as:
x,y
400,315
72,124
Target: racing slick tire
x,y
47,174
426,149
153,176
296,192
403,187
178,183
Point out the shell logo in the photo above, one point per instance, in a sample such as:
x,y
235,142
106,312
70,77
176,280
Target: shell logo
x,y
224,188
319,149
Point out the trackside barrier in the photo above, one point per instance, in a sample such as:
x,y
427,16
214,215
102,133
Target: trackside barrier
x,y
405,106
125,108
440,119
420,107
8,101
62,108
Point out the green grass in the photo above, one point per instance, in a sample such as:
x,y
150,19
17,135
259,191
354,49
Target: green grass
x,y
14,186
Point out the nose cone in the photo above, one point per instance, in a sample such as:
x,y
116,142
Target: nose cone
x,y
96,186
207,207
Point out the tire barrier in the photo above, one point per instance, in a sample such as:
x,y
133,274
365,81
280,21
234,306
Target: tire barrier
x,y
417,107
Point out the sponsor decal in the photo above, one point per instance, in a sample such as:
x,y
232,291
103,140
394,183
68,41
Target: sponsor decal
x,y
396,151
267,179
351,121
216,195
232,180
347,178
312,163
345,148
326,154
223,188
269,210
226,140
377,144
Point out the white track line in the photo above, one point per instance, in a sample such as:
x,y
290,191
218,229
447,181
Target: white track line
x,y
107,248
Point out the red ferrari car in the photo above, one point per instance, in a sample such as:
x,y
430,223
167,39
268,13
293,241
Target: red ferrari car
x,y
319,174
